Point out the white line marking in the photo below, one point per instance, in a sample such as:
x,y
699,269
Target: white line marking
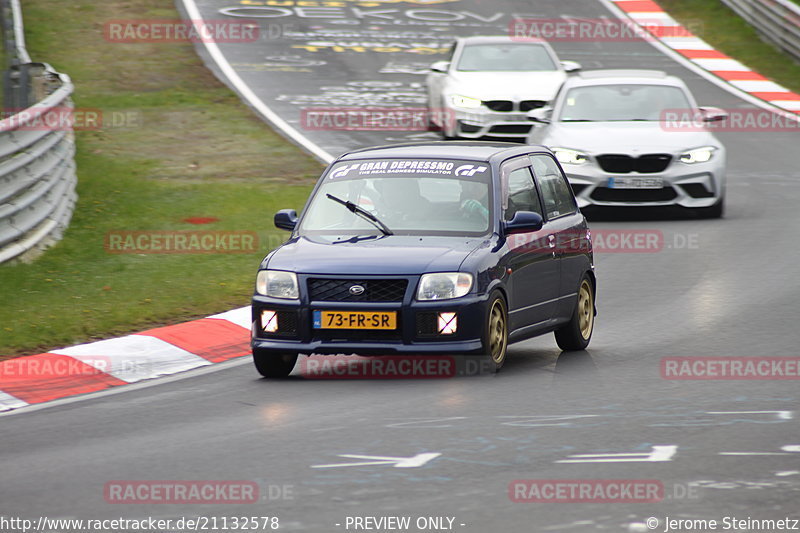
x,y
248,94
398,462
788,473
783,415
657,455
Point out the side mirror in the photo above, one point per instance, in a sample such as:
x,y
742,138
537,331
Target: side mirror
x,y
713,114
571,66
524,222
542,114
286,219
440,66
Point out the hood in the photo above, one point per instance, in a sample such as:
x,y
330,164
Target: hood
x,y
624,137
390,255
507,85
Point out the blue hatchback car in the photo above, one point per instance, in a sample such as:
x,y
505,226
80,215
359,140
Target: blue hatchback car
x,y
428,249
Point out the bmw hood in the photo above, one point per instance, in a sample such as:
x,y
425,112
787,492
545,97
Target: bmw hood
x,y
625,137
389,255
507,85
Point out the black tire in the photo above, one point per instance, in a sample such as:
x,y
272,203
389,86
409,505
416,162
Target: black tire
x,y
715,211
274,365
495,332
576,334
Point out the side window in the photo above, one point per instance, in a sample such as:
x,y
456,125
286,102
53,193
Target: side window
x,y
556,192
522,195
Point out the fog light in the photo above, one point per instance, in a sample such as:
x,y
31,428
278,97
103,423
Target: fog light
x,y
269,321
448,323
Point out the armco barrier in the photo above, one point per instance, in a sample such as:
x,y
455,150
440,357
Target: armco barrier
x,y
778,21
37,166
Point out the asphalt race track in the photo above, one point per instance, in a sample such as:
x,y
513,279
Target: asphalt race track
x,y
718,288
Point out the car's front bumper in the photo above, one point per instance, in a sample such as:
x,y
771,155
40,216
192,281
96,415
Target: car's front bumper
x,y
410,338
478,123
692,186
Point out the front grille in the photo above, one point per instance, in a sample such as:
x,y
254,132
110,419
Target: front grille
x,y
511,128
623,164
697,190
338,290
604,194
503,106
527,105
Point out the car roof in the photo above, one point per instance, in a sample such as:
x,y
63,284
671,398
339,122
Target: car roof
x,y
596,77
499,39
465,150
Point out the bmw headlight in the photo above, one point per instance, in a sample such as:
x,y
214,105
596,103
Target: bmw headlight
x,y
465,101
698,155
277,284
444,286
567,156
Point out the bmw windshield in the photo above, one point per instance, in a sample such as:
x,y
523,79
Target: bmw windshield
x,y
622,102
405,196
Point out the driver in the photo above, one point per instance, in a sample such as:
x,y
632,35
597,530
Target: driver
x,y
475,200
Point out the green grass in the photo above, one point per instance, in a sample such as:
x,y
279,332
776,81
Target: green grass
x,y
194,150
727,32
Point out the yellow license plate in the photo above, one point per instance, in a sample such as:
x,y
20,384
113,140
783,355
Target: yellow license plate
x,y
355,319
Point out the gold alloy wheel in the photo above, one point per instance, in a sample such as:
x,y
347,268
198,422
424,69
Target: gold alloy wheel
x,y
497,332
585,310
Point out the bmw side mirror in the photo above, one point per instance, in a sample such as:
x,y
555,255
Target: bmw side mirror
x,y
286,219
440,66
524,222
713,114
541,114
571,66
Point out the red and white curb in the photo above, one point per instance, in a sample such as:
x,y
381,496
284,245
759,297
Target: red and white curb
x,y
653,19
109,363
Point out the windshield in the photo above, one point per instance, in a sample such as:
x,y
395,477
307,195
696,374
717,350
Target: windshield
x,y
505,57
409,197
622,102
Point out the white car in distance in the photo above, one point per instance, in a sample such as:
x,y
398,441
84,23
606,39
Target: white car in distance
x,y
490,83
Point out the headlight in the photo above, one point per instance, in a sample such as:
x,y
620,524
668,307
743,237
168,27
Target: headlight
x,y
444,286
698,155
567,156
277,284
465,101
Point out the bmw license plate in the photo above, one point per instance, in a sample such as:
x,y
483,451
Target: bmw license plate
x,y
355,320
635,183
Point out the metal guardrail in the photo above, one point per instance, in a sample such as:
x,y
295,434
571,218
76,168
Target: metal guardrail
x,y
778,21
37,148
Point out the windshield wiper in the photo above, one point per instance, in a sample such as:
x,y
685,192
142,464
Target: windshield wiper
x,y
579,120
363,213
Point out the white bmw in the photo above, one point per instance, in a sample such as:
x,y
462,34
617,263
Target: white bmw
x,y
489,84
